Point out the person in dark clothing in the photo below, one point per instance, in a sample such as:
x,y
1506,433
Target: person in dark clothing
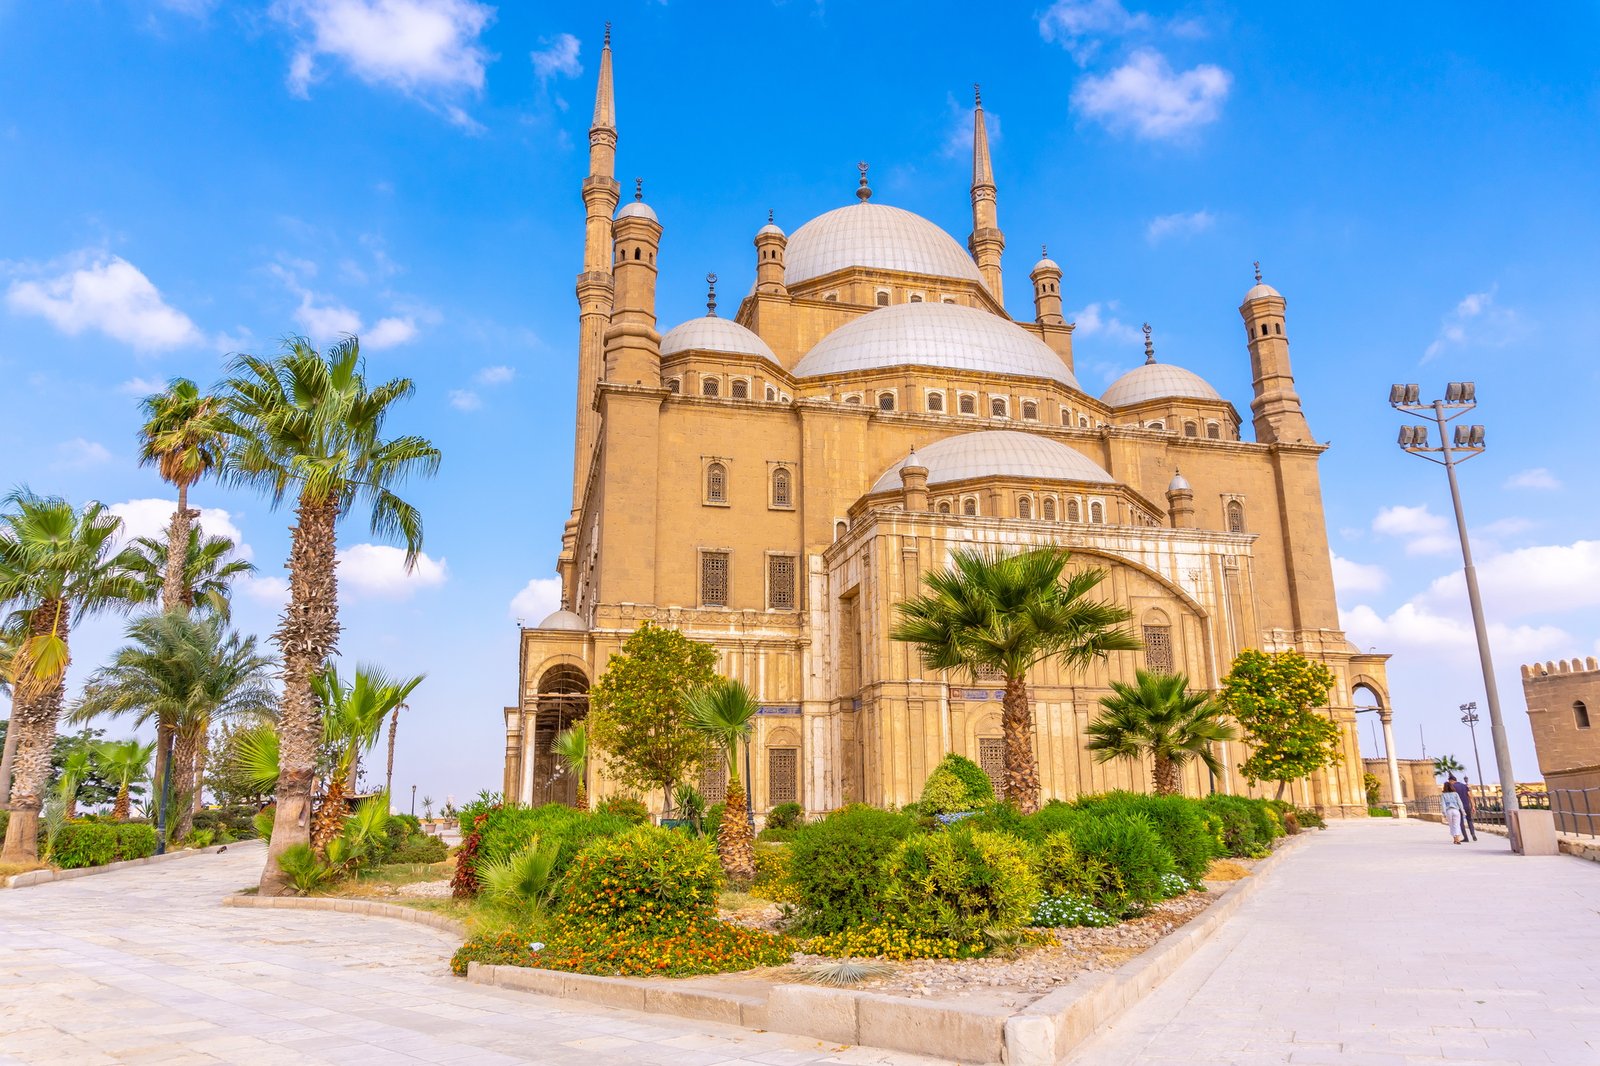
x,y
1460,788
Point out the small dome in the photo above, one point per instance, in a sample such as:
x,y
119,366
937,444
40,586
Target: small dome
x,y
637,209
770,229
708,334
562,620
1261,291
1046,264
877,236
999,453
1179,483
1158,381
950,336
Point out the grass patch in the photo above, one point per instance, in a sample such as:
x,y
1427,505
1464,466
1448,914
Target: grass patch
x,y
399,874
1225,870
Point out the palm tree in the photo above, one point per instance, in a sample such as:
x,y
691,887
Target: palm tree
x,y
1159,717
726,712
56,568
182,438
125,762
10,640
1446,764
183,674
208,571
307,421
352,717
74,768
571,746
1010,612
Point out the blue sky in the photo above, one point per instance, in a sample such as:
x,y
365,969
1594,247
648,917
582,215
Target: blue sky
x,y
185,178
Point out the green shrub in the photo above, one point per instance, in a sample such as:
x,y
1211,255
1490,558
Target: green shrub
x,y
1003,818
980,790
1129,846
713,819
629,808
772,874
1379,812
411,823
944,793
1066,872
961,883
786,816
507,830
778,836
837,868
1178,821
81,843
306,872
200,838
135,840
1053,817
420,848
236,819
1238,826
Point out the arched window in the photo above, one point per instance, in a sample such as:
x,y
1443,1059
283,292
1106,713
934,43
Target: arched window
x,y
854,398
1277,327
740,390
674,386
782,494
968,405
969,506
1263,329
886,401
1191,430
1024,507
1580,714
883,298
1083,421
944,508
831,298
936,402
772,394
1097,514
916,298
997,407
1213,431
636,253
716,483
947,299
840,528
1235,516
1030,410
1158,648
1048,508
1156,425
710,387
1073,514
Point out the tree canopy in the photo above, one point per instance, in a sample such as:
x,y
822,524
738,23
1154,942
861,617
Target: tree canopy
x,y
1275,696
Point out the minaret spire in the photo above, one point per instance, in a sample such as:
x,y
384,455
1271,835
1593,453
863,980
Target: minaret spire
x,y
986,242
605,105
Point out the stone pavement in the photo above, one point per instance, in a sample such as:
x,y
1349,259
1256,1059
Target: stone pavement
x,y
145,965
1383,944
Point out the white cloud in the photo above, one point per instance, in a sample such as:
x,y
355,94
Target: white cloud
x,y
1349,577
558,57
1540,580
494,375
538,599
388,332
80,454
958,141
324,322
109,294
1182,224
415,46
324,318
1415,630
1536,478
141,387
271,591
1477,321
149,518
1077,25
1145,95
1097,320
1426,533
465,400
378,571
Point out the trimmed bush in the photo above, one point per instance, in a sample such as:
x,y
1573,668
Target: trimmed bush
x,y
412,824
944,793
1379,812
1238,826
837,868
420,848
980,789
1067,873
960,883
1003,818
629,808
1176,819
81,843
507,830
786,816
1129,846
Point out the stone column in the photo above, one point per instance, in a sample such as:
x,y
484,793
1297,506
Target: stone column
x,y
1387,718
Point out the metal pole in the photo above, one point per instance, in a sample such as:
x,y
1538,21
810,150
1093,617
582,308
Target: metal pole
x,y
413,801
1497,726
1471,718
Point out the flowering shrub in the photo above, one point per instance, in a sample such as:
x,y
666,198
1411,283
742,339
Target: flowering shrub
x,y
629,808
505,947
961,882
1172,885
464,885
772,874
1056,911
696,946
884,942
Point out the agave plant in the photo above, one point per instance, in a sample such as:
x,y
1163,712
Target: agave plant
x,y
838,973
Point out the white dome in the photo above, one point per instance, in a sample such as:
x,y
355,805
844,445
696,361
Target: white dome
x,y
710,334
999,453
1261,291
875,235
950,336
769,229
562,620
637,209
1158,381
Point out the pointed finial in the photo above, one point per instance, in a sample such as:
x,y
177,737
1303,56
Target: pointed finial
x,y
1149,345
977,95
864,193
638,188
711,296
608,35
1258,272
769,216
1044,251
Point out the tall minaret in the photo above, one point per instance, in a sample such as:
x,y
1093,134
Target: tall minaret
x,y
1278,416
595,290
986,242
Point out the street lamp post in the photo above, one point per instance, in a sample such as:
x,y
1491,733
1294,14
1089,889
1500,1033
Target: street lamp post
x,y
1469,718
1459,398
413,801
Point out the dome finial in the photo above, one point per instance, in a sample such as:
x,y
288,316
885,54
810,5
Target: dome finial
x,y
1149,346
608,35
638,189
769,217
977,95
864,193
1258,272
1044,251
711,296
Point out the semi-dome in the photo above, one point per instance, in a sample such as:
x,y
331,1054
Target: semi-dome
x,y
950,336
1158,381
562,620
877,236
708,334
999,453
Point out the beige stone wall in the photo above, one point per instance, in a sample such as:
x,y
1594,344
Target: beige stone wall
x,y
1416,778
1564,713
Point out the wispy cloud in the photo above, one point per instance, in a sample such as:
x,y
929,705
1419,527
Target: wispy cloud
x,y
1182,224
489,377
1147,98
1099,319
494,375
1080,26
959,124
141,387
79,453
465,400
93,290
1536,478
378,571
1477,321
558,58
325,318
1425,533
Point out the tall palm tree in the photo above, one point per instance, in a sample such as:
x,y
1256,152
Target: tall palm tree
x,y
183,674
182,438
307,421
726,713
1158,716
1446,764
1010,612
206,584
57,567
571,746
352,717
10,641
125,762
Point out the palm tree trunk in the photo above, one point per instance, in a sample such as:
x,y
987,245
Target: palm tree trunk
x,y
330,816
164,729
34,712
173,586
202,743
119,809
183,756
308,635
13,734
1165,772
388,774
734,843
1021,765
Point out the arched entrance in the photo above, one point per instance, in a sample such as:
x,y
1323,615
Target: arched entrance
x,y
562,702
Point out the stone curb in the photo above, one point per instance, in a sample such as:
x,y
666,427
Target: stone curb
x,y
366,907
1037,1035
44,877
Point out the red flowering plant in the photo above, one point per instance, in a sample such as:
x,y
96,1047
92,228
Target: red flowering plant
x,y
464,885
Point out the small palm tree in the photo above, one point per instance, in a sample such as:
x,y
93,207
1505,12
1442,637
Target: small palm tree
x,y
1157,716
57,567
571,746
1446,764
182,438
208,571
124,762
352,717
307,422
74,768
725,712
1011,612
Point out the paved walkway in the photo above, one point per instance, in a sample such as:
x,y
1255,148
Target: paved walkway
x,y
1382,944
145,965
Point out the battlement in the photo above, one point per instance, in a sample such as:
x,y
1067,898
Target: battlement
x,y
1537,671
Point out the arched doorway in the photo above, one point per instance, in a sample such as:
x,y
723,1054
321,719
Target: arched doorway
x,y
562,702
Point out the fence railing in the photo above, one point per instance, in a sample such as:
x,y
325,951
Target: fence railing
x,y
1488,810
1577,810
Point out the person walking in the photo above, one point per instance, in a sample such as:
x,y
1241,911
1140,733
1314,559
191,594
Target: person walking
x,y
1450,807
1462,789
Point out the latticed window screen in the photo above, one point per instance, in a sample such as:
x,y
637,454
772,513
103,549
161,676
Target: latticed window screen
x,y
783,773
780,582
935,401
997,407
1158,649
1030,410
741,390
1235,517
1213,431
989,673
1024,507
781,496
886,401
1097,514
969,507
714,579
992,758
1072,510
714,778
969,405
674,385
710,387
1049,507
717,483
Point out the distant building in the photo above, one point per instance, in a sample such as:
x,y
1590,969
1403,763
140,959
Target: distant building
x,y
1563,705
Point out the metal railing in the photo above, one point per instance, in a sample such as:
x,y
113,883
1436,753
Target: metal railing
x,y
1488,810
1577,810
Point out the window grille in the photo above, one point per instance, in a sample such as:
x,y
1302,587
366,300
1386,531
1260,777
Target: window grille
x,y
780,582
1049,507
714,579
969,507
915,298
1072,511
1191,430
710,387
740,390
969,405
674,386
936,402
1213,431
1097,514
997,407
1158,649
852,399
886,401
1024,507
781,494
783,765
992,758
772,394
714,778
883,299
716,483
1030,410
989,673
1235,517
944,508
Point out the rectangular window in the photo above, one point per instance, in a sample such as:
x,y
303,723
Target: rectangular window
x,y
783,771
780,582
714,579
992,758
714,778
1158,649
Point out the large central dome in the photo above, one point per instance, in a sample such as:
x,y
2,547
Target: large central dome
x,y
998,453
949,336
875,236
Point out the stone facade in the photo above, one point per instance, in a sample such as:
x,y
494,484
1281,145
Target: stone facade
x,y
1417,779
1564,713
775,483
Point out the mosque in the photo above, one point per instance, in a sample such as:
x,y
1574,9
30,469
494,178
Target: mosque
x,y
775,482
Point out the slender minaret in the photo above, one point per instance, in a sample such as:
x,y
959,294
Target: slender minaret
x,y
632,345
986,242
1278,415
595,291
